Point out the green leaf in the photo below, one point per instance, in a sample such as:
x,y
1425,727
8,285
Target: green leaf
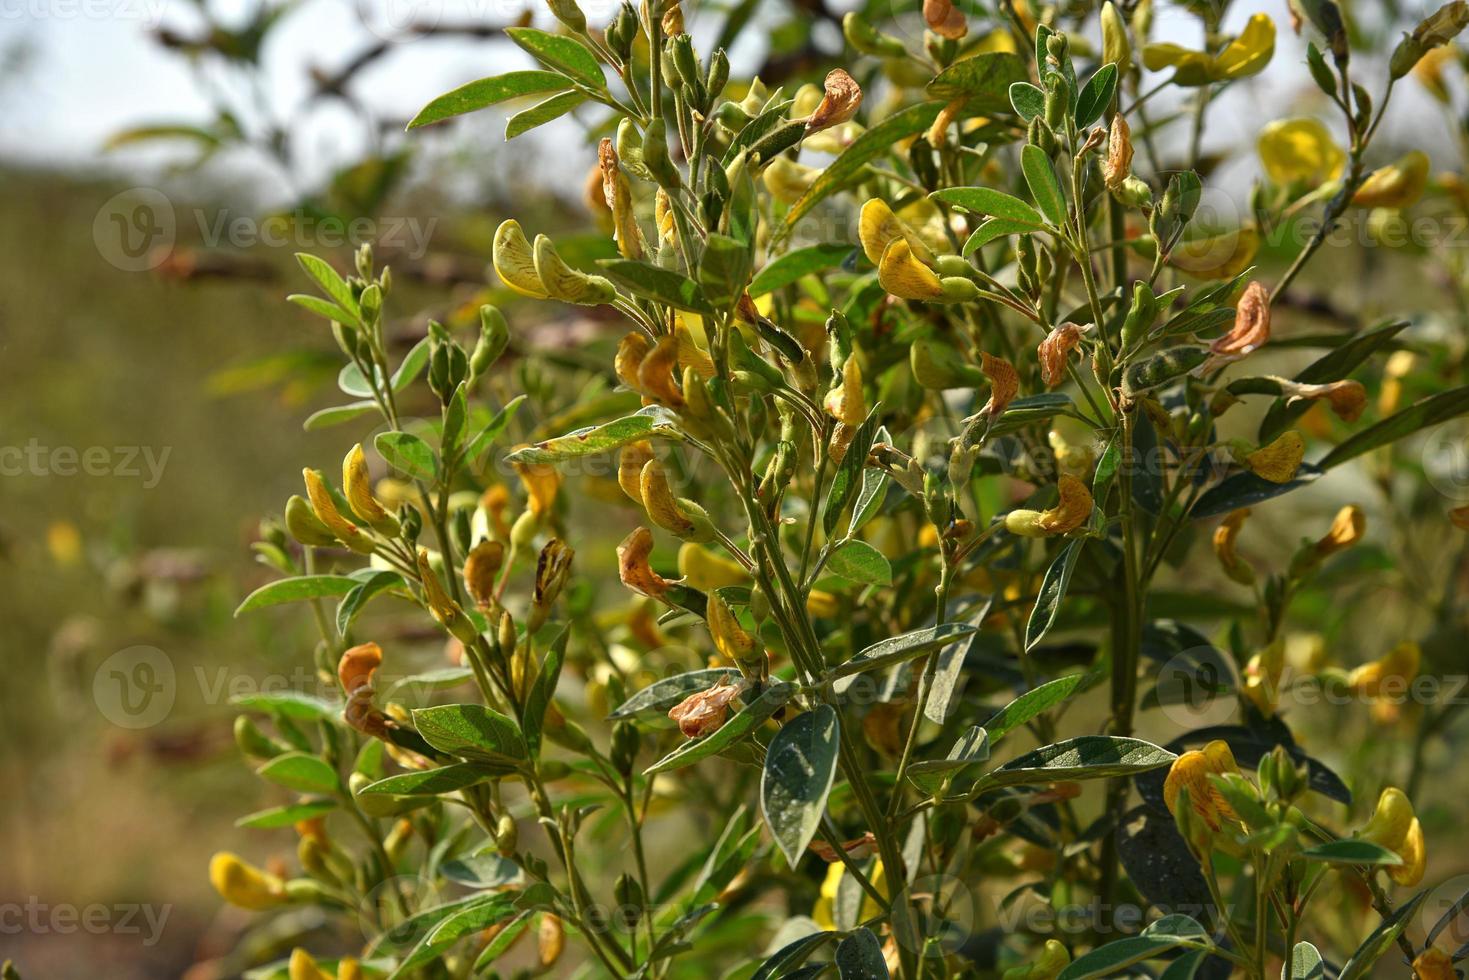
x,y
800,764
408,453
1085,757
1356,852
412,365
971,749
661,695
541,692
1052,591
785,961
1030,410
850,472
330,282
1247,490
295,590
858,561
797,263
875,142
987,200
902,648
983,80
504,939
1031,704
487,92
323,308
1167,933
300,772
1360,965
754,714
994,228
1040,177
493,429
357,599
1096,95
859,957
471,731
285,816
484,870
434,782
564,54
659,285
1027,100
869,499
289,704
337,414
1305,964
541,113
479,914
1430,411
586,442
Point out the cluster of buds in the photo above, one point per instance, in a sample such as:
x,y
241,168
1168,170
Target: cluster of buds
x,y
538,271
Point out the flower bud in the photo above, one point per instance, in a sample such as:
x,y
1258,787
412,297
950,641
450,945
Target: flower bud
x,y
629,895
305,526
444,609
494,337
507,836
655,156
245,885
252,741
515,261
358,486
569,14
659,501
326,510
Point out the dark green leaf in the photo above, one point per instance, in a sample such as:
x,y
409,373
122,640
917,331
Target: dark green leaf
x,y
586,442
1052,591
1360,965
434,782
541,113
1352,852
797,263
1029,705
800,764
1027,100
1305,964
659,696
858,561
1085,757
562,53
407,453
1040,177
472,732
1430,411
300,772
1247,490
983,80
542,691
357,599
290,704
859,957
659,285
1096,95
987,200
899,649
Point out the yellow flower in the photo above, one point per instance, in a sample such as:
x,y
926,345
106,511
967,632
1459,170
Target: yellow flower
x,y
325,508
630,462
659,501
358,665
1073,509
243,884
1221,256
1396,668
878,227
1396,185
358,486
1191,771
1279,461
564,283
788,180
1246,55
730,639
655,373
303,967
904,276
1430,68
1395,826
542,481
480,569
1347,528
515,262
1225,537
822,912
1262,677
1433,963
845,402
704,570
1299,151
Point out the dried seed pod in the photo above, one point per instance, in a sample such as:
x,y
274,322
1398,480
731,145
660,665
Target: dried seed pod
x,y
1004,383
618,195
1055,350
703,711
1118,165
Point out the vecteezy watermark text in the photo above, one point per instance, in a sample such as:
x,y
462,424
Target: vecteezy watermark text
x,y
130,462
39,918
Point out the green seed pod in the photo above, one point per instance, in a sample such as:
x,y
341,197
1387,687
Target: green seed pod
x,y
625,744
494,337
1058,100
952,265
718,75
622,32
685,60
305,526
304,891
629,895
507,837
866,39
448,366
656,159
938,366
1161,368
1140,315
959,289
1134,192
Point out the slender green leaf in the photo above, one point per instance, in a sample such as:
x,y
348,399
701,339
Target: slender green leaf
x,y
487,92
1045,188
295,590
588,441
435,782
471,731
800,764
285,816
1085,757
796,264
998,204
1052,591
898,649
566,55
1030,705
408,453
541,113
659,285
1430,411
858,561
301,772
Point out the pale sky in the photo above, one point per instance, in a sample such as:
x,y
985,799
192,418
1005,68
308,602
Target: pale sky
x,y
91,68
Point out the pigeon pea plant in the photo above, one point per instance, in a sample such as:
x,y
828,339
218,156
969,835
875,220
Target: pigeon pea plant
x,y
901,455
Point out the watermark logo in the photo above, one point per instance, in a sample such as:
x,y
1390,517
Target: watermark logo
x,y
1445,458
1196,688
136,229
135,688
